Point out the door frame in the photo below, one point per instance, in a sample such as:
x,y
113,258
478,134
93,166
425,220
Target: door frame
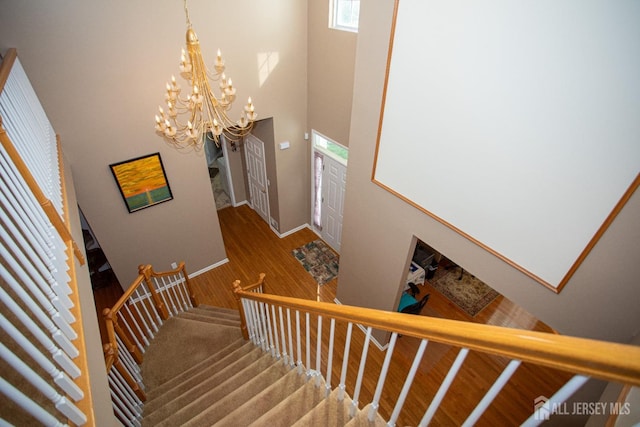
x,y
315,148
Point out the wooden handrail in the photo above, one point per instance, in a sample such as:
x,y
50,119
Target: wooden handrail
x,y
7,63
599,359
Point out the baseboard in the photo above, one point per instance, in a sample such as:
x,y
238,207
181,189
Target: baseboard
x,y
364,330
295,230
244,202
210,267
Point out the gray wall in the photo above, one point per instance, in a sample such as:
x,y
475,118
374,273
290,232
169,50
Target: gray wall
x,y
600,300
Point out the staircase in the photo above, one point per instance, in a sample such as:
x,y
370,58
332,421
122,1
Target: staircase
x,y
199,371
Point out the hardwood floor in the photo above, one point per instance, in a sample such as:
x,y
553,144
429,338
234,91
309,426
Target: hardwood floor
x,y
252,248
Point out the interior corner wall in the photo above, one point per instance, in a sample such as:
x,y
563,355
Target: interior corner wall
x,y
331,66
600,300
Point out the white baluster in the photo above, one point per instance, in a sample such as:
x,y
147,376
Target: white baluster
x,y
28,405
133,336
318,352
307,348
345,363
382,377
407,383
58,336
560,396
444,387
285,354
492,393
298,344
291,357
61,403
330,356
57,354
363,361
275,331
60,378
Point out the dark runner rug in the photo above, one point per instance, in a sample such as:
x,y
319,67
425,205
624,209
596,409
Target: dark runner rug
x,y
319,260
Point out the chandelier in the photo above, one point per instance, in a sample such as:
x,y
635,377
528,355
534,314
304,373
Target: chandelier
x,y
185,122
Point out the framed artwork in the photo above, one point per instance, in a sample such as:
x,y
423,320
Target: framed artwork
x,y
142,181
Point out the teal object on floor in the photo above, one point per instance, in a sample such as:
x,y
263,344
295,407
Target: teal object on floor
x,y
406,300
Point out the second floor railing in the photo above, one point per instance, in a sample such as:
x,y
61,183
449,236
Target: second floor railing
x,y
46,379
295,331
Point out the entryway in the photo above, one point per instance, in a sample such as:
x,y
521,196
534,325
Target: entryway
x,y
328,185
219,172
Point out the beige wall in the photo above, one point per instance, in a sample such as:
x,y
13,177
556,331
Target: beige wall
x,y
600,301
331,67
102,409
100,69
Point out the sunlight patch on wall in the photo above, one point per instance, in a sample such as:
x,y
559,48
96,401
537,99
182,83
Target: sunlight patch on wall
x,y
267,62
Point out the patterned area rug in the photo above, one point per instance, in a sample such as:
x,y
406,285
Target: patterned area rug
x,y
468,293
319,260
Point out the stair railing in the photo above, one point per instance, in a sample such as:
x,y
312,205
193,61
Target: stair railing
x,y
38,284
131,325
267,321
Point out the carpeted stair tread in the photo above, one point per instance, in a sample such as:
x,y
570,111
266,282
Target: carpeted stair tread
x,y
214,405
200,398
184,340
241,346
224,321
219,309
328,413
293,408
207,379
252,409
215,313
362,419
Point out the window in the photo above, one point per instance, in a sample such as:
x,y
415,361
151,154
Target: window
x,y
343,14
335,150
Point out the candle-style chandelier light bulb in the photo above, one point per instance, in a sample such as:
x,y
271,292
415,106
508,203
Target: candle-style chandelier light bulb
x,y
188,120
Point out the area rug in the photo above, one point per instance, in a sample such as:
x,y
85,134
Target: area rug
x,y
319,260
468,293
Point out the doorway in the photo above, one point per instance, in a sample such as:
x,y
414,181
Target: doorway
x,y
219,174
257,176
328,181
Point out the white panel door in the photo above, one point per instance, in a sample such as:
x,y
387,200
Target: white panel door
x,y
334,180
257,176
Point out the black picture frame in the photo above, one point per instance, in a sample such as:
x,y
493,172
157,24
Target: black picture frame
x,y
142,182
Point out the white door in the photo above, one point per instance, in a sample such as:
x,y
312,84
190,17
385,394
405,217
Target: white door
x,y
334,181
257,176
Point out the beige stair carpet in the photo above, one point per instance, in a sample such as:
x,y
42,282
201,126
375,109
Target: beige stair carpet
x,y
200,372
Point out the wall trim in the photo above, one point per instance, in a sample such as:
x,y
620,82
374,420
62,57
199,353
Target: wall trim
x,y
287,233
210,267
